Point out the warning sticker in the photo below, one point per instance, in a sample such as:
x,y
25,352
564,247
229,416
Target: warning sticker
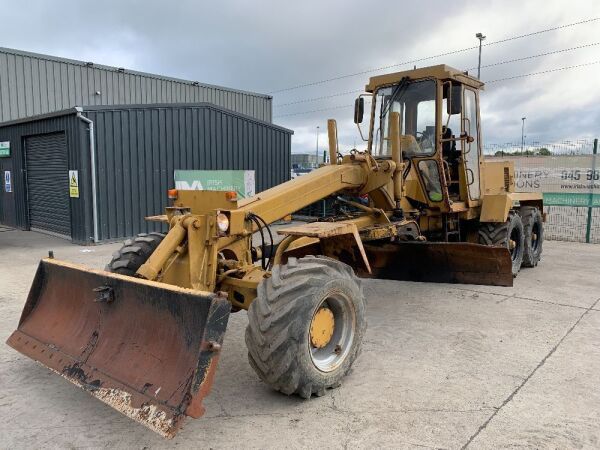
x,y
7,181
73,184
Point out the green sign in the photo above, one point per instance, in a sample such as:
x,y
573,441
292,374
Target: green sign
x,y
571,199
240,181
4,149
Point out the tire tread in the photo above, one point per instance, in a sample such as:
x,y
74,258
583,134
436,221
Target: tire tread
x,y
278,310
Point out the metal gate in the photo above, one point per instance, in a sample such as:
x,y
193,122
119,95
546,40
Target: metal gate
x,y
47,183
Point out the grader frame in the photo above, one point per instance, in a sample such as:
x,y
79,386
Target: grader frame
x,y
413,226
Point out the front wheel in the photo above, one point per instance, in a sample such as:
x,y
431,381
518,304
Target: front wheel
x,y
306,325
134,252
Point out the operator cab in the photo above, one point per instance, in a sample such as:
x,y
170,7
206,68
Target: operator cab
x,y
439,128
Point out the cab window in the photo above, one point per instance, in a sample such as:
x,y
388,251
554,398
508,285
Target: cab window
x,y
415,102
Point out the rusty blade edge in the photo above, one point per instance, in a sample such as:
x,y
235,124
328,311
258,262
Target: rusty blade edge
x,y
150,414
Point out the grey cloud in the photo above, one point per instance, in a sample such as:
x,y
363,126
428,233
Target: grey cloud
x,y
268,45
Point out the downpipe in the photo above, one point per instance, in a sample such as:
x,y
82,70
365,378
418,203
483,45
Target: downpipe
x,y
90,124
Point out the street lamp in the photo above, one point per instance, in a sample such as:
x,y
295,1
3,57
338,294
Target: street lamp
x,y
523,134
317,150
481,37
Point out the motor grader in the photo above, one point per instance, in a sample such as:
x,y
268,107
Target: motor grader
x,y
145,335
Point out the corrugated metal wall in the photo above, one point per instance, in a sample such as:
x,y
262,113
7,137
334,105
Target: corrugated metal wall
x,y
32,84
76,136
138,149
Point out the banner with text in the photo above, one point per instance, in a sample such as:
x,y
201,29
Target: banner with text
x,y
240,181
564,180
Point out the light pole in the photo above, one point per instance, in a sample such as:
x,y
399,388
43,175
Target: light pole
x,y
317,150
481,37
523,134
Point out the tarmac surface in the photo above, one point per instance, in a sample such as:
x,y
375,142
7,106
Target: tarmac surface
x,y
443,366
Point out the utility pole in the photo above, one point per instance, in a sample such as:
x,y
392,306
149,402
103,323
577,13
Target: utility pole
x,y
317,150
523,134
481,37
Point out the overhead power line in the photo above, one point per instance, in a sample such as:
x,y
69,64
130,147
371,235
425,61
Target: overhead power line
x,y
314,99
499,63
542,72
539,55
317,110
487,82
377,69
363,72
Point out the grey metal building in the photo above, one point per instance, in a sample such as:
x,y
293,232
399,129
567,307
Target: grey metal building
x,y
33,84
125,157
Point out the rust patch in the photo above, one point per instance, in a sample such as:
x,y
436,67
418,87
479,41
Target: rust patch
x,y
441,262
150,353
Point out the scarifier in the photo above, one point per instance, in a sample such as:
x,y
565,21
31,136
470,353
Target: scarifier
x,y
420,203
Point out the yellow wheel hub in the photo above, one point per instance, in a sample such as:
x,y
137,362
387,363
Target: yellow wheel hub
x,y
321,328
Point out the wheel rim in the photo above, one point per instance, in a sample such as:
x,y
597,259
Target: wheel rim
x,y
328,352
514,243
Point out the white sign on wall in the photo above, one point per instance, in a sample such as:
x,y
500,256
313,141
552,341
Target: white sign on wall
x,y
240,181
7,181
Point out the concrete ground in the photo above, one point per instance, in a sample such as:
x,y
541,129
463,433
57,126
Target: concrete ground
x,y
443,366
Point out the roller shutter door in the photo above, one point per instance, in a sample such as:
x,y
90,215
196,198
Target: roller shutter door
x,y
47,183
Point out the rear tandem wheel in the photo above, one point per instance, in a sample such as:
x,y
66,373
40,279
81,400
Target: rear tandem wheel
x,y
509,234
533,227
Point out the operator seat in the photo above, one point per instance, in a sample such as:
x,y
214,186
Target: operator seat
x,y
451,156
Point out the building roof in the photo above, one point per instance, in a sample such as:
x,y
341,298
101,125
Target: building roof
x,y
84,109
90,64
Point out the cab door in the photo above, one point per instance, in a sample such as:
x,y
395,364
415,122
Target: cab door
x,y
471,150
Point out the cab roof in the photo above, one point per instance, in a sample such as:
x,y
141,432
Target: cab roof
x,y
441,71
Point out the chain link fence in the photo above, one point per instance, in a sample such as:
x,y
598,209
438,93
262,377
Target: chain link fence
x,y
568,174
577,147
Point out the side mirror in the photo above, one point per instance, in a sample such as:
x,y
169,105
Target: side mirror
x,y
454,105
359,110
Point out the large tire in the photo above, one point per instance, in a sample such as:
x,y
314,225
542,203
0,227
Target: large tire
x,y
279,336
134,252
533,226
509,234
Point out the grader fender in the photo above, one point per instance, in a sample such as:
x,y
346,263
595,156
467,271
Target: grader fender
x,y
442,262
148,350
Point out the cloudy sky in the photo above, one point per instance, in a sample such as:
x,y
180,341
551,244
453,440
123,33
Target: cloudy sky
x,y
269,46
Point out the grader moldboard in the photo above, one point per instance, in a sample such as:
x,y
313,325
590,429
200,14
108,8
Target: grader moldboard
x,y
145,335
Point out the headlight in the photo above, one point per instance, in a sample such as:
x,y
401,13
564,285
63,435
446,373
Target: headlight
x,y
222,222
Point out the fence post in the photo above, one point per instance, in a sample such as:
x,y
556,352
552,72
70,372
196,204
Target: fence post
x,y
588,231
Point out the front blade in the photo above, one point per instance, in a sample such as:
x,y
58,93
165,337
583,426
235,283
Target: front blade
x,y
442,262
147,349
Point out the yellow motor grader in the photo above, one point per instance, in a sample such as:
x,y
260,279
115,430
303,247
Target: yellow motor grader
x,y
145,335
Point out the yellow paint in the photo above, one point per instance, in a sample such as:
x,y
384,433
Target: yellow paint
x,y
321,328
195,254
